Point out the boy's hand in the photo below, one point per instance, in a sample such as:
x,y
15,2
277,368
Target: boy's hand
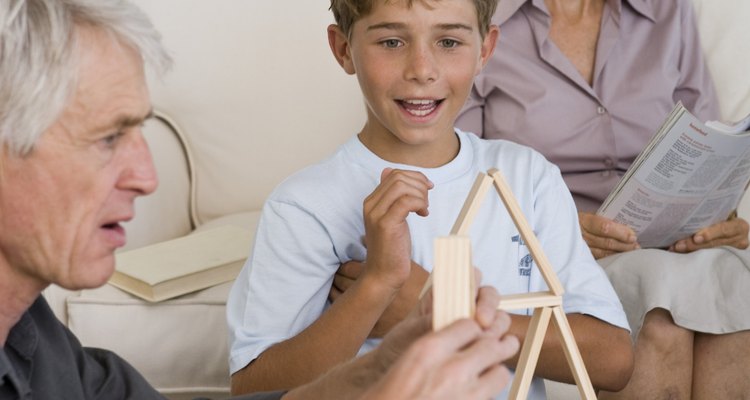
x,y
387,235
604,236
732,232
401,305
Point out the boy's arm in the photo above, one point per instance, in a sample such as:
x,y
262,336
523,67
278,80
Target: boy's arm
x,y
606,350
401,305
339,333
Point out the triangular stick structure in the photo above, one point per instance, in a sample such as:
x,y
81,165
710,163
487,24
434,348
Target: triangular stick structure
x,y
453,289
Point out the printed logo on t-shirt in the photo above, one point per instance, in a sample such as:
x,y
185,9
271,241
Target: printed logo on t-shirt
x,y
525,260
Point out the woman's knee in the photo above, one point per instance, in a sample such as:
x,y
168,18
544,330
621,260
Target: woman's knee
x,y
661,334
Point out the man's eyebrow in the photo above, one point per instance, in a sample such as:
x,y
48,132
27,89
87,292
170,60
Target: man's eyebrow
x,y
127,121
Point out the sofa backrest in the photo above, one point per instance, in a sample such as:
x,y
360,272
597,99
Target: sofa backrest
x,y
259,95
256,91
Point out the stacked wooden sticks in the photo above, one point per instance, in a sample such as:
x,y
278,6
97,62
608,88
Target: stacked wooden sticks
x,y
453,292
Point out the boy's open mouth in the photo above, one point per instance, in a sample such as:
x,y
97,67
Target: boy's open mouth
x,y
419,108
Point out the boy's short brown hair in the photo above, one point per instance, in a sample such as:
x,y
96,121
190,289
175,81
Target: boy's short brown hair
x,y
347,12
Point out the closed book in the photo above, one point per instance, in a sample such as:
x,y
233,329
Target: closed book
x,y
169,269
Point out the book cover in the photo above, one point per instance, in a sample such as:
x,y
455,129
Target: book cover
x,y
169,269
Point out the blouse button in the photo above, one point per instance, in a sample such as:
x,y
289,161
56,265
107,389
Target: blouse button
x,y
600,110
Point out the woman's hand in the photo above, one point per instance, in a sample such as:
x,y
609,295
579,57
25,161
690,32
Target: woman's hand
x,y
606,237
732,232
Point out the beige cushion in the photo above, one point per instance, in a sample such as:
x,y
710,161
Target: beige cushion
x,y
179,345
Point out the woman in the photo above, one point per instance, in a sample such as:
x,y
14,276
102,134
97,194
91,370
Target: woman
x,y
586,83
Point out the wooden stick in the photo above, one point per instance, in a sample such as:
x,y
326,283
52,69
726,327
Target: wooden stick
x,y
548,273
463,222
476,195
529,300
452,294
575,361
529,356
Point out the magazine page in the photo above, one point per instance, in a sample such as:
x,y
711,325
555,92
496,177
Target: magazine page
x,y
690,176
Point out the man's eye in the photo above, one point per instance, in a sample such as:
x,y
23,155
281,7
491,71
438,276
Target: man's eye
x,y
391,43
111,140
449,43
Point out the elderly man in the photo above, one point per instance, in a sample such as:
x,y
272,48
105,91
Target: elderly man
x,y
72,100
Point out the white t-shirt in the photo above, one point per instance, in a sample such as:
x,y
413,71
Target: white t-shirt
x,y
313,222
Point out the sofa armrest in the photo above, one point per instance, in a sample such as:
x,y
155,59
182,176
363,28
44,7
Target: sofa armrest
x,y
165,214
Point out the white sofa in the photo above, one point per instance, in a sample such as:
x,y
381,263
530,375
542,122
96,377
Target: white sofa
x,y
255,95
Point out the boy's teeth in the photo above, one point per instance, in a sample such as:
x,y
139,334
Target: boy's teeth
x,y
419,108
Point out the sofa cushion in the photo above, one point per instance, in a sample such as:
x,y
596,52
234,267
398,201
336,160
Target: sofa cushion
x,y
179,345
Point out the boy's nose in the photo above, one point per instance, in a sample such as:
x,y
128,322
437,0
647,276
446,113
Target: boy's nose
x,y
421,67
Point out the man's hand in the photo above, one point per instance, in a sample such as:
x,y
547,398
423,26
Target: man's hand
x,y
604,236
461,361
401,305
732,232
387,235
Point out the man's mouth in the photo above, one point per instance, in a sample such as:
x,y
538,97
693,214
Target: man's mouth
x,y
419,107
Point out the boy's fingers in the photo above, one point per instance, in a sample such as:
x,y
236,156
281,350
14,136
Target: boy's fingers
x,y
351,269
380,203
342,283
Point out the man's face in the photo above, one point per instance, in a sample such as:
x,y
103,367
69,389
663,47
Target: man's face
x,y
62,205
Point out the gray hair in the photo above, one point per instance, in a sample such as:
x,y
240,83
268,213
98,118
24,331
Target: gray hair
x,y
38,61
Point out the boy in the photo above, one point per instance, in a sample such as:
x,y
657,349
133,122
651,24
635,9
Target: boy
x,y
415,62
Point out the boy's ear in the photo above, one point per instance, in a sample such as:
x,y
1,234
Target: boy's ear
x,y
339,44
488,46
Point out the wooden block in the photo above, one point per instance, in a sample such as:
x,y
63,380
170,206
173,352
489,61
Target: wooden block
x,y
453,280
506,195
528,300
573,355
529,356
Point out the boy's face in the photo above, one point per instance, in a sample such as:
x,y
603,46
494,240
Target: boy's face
x,y
415,66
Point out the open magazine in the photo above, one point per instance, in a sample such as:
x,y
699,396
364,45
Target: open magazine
x,y
689,176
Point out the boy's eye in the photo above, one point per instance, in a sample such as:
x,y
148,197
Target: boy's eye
x,y
449,43
391,43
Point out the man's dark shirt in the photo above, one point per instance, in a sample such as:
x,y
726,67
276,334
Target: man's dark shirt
x,y
42,359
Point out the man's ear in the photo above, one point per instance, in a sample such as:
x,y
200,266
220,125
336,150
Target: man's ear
x,y
488,46
339,44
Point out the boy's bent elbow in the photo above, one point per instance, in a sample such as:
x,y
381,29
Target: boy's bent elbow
x,y
240,381
246,381
616,365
